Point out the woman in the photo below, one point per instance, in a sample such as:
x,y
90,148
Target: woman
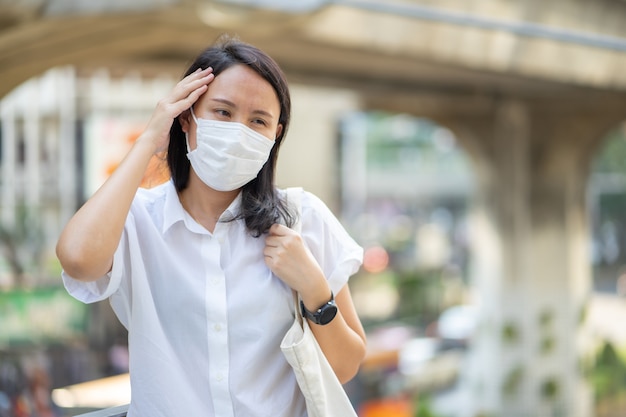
x,y
201,269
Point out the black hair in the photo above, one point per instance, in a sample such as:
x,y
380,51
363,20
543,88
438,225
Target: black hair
x,y
261,207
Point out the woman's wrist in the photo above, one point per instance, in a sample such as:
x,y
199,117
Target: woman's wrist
x,y
147,144
317,294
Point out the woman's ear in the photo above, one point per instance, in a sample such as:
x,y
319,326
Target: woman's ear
x,y
184,120
279,130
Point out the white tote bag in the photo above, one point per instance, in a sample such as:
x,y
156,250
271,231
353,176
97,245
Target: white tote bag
x,y
323,393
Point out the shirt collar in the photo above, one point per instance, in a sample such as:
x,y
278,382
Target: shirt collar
x,y
174,211
234,208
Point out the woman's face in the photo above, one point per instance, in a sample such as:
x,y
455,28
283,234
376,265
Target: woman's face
x,y
237,94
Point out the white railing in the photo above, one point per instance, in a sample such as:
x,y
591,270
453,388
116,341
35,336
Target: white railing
x,y
108,412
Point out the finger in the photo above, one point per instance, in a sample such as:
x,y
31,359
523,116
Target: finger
x,y
183,91
278,229
188,101
271,243
191,83
195,83
270,258
197,76
189,97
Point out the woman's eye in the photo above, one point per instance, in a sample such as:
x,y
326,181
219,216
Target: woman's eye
x,y
223,113
260,122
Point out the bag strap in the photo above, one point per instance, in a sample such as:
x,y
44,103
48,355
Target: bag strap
x,y
294,200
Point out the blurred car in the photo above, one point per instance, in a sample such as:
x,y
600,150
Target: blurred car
x,y
431,363
456,326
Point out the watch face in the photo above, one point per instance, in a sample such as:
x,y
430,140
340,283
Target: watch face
x,y
328,313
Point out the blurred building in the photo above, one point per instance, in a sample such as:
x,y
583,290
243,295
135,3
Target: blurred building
x,y
62,134
39,182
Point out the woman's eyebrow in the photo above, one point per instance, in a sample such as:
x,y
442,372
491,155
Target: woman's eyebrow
x,y
231,104
224,101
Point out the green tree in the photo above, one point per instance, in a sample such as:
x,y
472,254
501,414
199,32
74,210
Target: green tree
x,y
22,244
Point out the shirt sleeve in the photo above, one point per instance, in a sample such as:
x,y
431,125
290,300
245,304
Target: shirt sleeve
x,y
104,287
336,251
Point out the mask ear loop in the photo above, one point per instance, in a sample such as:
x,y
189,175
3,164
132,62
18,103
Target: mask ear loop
x,y
187,134
193,115
187,142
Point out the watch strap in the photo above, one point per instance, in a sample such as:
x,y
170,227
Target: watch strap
x,y
317,315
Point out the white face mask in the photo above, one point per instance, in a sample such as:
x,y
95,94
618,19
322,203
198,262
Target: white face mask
x,y
228,155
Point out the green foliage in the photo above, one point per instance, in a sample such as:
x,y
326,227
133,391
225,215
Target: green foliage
x,y
424,409
545,318
513,380
547,345
550,389
510,333
608,375
420,295
548,341
612,157
401,142
612,206
21,243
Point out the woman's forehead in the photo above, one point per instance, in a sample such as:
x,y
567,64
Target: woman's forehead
x,y
241,85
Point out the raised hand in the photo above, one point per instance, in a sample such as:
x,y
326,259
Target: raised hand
x,y
181,98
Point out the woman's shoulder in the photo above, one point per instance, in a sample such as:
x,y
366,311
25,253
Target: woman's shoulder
x,y
306,198
154,193
154,198
312,206
322,229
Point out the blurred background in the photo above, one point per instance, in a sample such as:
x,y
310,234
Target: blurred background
x,y
475,149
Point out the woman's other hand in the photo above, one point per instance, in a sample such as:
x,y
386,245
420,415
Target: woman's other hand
x,y
289,259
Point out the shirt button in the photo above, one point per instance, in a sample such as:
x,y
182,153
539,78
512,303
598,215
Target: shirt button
x,y
219,377
217,327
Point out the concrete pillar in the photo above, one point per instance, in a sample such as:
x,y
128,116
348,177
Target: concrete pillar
x,y
8,164
32,145
531,268
68,178
306,155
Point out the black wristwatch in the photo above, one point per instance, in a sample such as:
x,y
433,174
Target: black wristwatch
x,y
323,315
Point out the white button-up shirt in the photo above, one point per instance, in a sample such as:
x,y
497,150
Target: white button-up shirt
x,y
205,314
